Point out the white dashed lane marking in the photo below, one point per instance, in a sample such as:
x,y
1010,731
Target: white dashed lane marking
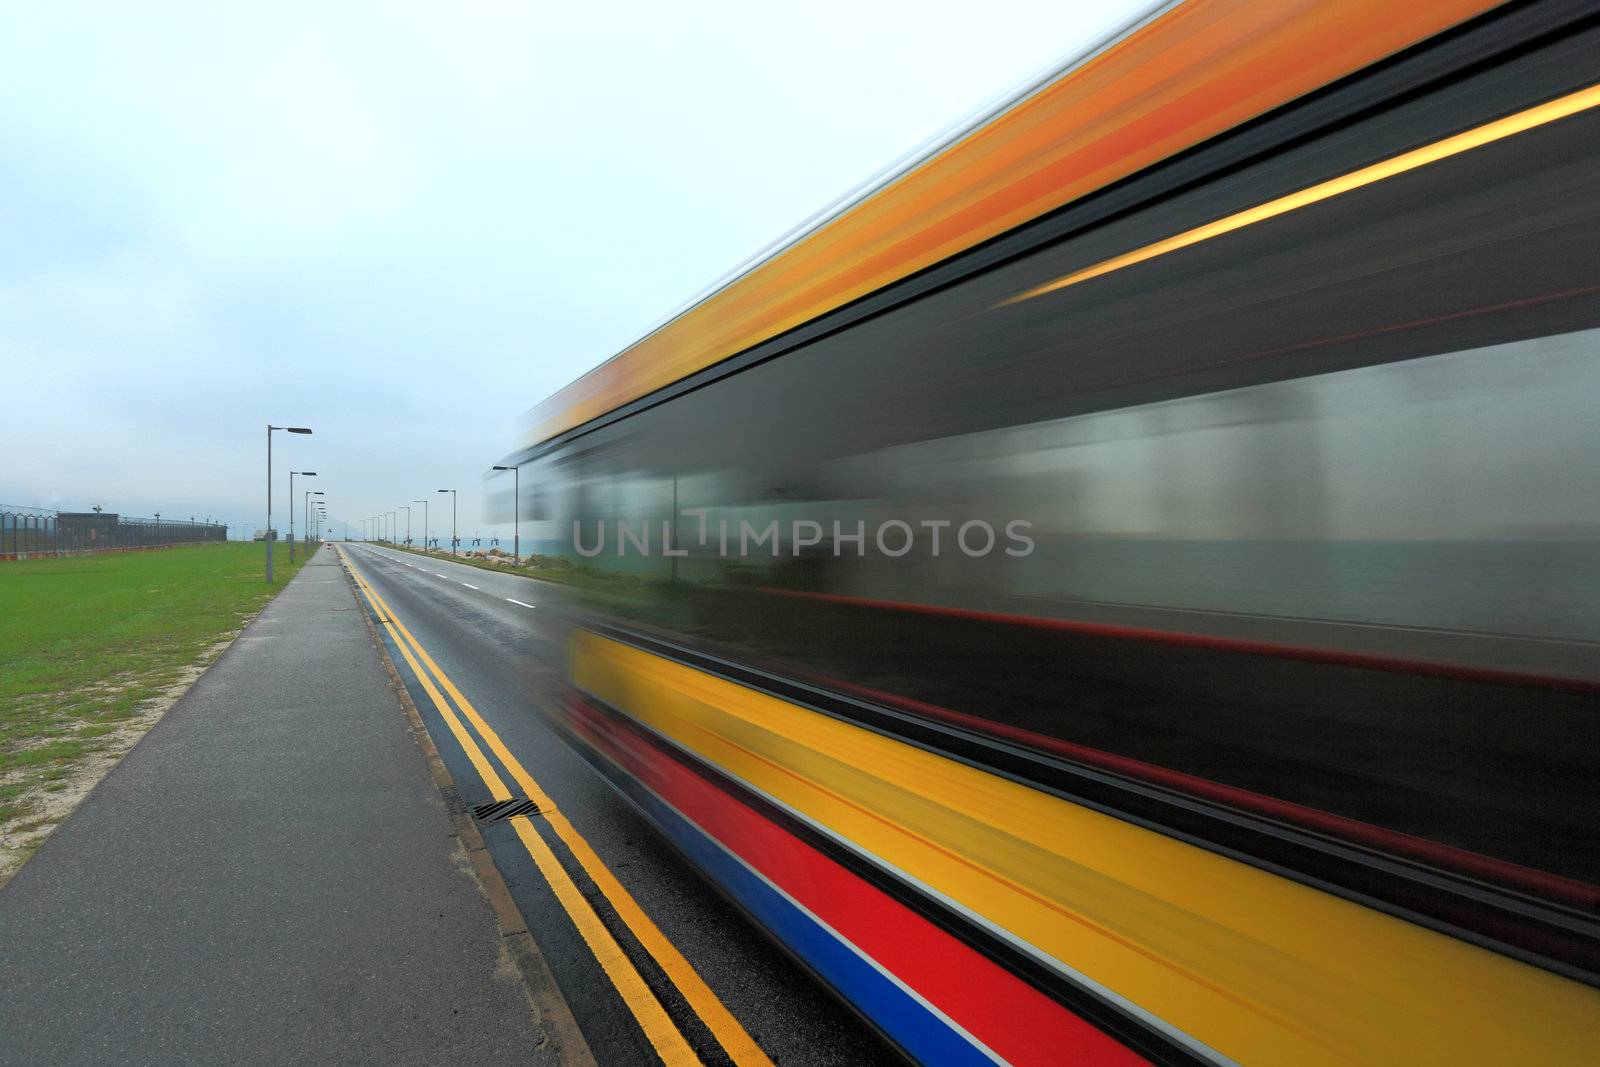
x,y
469,585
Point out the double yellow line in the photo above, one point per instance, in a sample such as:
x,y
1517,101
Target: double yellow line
x,y
653,1019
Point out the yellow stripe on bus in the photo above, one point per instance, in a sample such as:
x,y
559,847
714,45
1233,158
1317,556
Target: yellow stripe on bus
x,y
1260,968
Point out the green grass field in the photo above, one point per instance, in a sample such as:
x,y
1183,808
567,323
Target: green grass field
x,y
85,640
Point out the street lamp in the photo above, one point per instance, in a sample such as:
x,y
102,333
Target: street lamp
x,y
303,474
305,510
270,428
424,503
452,493
516,509
407,509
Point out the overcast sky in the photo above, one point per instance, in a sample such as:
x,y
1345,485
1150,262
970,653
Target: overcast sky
x,y
403,225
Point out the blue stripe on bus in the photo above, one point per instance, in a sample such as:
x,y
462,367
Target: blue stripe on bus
x,y
908,1022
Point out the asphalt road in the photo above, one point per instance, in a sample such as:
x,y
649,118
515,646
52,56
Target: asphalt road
x,y
486,633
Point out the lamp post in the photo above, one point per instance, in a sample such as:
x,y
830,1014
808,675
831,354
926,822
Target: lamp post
x,y
305,511
303,474
516,510
452,493
424,503
407,509
394,525
270,428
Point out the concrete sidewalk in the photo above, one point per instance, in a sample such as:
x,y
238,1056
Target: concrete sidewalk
x,y
270,876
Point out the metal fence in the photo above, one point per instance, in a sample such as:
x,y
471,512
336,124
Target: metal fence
x,y
28,530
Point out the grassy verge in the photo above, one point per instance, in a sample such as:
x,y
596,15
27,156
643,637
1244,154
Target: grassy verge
x,y
89,645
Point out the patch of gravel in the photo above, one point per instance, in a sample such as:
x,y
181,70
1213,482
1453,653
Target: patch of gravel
x,y
21,837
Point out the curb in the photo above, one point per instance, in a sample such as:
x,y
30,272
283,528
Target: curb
x,y
551,1013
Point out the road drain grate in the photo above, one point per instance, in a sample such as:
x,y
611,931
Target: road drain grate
x,y
504,809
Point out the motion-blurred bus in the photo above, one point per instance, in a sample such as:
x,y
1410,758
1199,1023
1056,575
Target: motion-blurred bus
x,y
1127,585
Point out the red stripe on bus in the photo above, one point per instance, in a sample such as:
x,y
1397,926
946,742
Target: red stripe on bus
x,y
1018,1021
